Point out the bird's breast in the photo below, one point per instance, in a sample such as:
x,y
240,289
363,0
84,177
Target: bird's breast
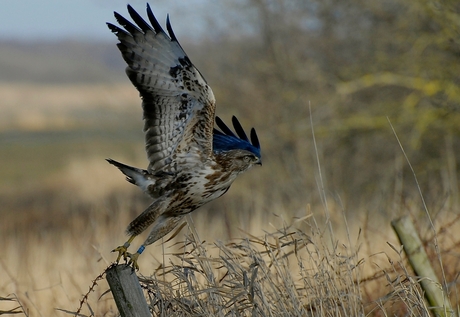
x,y
201,185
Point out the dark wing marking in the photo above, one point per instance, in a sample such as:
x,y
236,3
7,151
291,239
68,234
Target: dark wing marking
x,y
226,139
178,104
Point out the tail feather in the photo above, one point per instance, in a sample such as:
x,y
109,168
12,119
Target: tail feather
x,y
136,176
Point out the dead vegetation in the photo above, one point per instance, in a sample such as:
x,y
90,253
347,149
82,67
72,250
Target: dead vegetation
x,y
304,267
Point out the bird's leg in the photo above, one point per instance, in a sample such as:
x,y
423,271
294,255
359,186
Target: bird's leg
x,y
163,225
133,257
123,249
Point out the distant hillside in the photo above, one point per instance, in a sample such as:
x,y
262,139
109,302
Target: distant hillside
x,y
60,62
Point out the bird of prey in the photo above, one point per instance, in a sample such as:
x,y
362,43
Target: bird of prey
x,y
190,161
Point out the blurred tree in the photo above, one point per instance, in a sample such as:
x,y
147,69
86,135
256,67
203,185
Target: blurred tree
x,y
358,62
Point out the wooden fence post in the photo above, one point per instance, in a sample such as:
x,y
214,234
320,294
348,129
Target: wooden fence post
x,y
421,265
127,291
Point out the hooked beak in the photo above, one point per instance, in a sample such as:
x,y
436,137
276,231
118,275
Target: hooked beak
x,y
259,162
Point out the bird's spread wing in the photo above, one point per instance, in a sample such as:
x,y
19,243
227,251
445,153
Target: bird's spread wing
x,y
178,104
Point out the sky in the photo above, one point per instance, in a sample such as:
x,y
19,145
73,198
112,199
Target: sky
x,y
32,20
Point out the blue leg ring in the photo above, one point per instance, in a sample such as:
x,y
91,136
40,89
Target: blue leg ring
x,y
141,249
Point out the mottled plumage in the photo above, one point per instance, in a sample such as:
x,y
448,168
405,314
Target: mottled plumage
x,y
190,162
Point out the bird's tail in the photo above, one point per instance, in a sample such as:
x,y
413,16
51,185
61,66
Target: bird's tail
x,y
134,175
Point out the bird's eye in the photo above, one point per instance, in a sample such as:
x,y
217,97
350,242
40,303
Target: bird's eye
x,y
246,158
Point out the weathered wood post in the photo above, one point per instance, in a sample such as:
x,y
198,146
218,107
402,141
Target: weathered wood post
x,y
420,263
127,291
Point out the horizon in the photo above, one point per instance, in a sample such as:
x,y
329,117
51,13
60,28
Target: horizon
x,y
57,20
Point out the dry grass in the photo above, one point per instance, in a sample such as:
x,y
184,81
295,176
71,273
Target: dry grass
x,y
283,273
260,250
306,268
286,272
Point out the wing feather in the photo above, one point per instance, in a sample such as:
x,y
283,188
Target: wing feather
x,y
239,129
178,105
226,139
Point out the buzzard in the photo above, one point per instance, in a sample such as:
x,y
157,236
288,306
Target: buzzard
x,y
190,161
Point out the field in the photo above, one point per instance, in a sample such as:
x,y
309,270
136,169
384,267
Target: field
x,y
357,108
64,208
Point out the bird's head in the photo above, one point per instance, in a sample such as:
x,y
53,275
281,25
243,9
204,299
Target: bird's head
x,y
237,148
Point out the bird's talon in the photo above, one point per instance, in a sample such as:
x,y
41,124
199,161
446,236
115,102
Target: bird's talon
x,y
122,251
133,260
